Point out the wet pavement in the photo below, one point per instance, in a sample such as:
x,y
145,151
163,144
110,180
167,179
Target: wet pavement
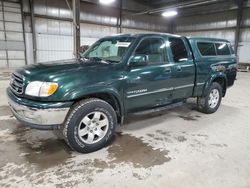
x,y
174,148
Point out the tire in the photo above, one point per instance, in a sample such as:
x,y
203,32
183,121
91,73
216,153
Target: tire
x,y
211,102
90,125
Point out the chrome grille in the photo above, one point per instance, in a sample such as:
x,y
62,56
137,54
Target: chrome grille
x,y
17,83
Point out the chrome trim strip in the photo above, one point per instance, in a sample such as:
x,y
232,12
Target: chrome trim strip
x,y
160,90
184,86
151,92
199,84
188,65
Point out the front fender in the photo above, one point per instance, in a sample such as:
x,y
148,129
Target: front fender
x,y
79,93
209,82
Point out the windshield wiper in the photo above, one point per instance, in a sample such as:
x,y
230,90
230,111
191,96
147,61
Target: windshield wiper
x,y
98,59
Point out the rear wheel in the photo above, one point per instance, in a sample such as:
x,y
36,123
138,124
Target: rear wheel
x,y
211,102
90,125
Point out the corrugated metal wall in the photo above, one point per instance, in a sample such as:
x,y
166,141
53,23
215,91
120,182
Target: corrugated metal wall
x,y
54,28
12,48
244,44
218,25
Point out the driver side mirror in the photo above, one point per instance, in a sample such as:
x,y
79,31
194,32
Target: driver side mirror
x,y
138,60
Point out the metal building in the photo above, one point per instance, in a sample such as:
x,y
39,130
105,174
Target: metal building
x,y
42,30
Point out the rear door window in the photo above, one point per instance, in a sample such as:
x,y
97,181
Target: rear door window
x,y
178,49
222,49
206,48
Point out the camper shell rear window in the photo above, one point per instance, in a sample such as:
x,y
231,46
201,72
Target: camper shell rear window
x,y
213,48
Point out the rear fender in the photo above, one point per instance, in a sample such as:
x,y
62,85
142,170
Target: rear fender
x,y
215,78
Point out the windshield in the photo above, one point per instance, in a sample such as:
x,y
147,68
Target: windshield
x,y
109,49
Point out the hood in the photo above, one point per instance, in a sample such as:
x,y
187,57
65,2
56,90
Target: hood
x,y
56,70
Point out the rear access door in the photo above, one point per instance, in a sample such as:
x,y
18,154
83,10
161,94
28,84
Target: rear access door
x,y
182,69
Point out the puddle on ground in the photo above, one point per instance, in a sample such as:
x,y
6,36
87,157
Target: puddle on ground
x,y
50,153
43,150
189,117
39,148
127,148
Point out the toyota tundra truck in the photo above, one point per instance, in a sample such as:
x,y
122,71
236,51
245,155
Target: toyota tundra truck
x,y
87,98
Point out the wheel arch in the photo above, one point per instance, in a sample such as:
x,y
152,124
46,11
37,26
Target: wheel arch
x,y
223,82
110,98
220,79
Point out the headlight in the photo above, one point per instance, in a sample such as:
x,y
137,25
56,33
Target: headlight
x,y
41,89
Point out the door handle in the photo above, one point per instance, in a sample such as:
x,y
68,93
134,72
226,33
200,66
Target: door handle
x,y
167,70
178,69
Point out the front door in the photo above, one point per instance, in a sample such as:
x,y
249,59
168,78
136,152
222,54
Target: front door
x,y
149,86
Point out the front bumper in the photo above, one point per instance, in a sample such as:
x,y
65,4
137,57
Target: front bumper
x,y
44,116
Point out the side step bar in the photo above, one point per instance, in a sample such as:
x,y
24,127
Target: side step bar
x,y
167,107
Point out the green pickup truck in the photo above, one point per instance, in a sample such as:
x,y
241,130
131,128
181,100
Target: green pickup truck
x,y
87,98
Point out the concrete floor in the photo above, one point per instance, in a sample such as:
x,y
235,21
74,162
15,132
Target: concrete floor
x,y
176,148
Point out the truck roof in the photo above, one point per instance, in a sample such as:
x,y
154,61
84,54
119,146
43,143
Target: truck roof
x,y
207,39
168,34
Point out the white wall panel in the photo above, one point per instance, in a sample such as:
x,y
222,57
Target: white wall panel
x,y
1,25
14,36
3,63
1,15
54,42
96,31
16,54
10,4
29,48
45,56
54,47
9,16
245,35
3,54
48,26
65,28
2,36
243,51
53,27
88,41
11,34
11,9
10,26
16,63
41,25
244,45
128,30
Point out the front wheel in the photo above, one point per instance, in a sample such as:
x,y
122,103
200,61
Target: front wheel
x,y
211,102
90,125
